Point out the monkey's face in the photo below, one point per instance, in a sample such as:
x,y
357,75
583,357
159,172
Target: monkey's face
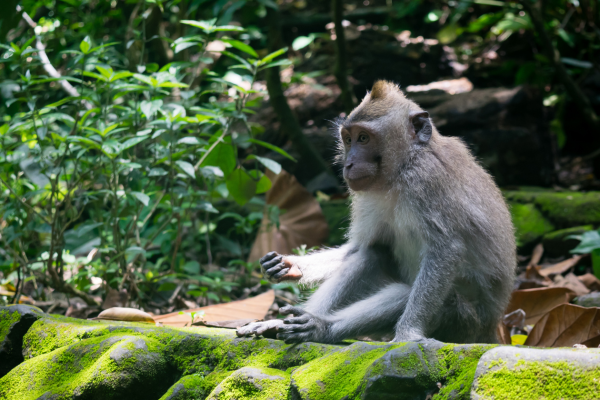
x,y
362,161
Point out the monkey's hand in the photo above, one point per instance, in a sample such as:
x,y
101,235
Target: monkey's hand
x,y
277,268
303,327
265,328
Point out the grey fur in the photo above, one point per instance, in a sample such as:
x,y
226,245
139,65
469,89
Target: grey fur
x,y
431,249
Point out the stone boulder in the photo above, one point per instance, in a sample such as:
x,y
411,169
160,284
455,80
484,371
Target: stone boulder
x,y
66,358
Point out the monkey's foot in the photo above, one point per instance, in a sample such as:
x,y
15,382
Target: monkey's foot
x,y
264,328
303,327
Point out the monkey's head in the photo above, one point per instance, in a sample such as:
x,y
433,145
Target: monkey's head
x,y
379,136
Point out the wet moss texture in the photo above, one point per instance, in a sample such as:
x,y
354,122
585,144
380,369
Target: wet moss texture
x,y
64,358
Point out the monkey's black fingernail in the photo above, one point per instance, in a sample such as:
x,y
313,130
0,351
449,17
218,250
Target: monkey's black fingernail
x,y
281,274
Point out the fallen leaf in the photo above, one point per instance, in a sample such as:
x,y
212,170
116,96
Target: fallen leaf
x,y
561,267
503,333
531,278
253,308
515,319
566,325
537,302
571,282
125,314
590,281
536,255
301,221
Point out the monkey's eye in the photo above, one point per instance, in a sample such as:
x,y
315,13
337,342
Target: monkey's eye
x,y
362,138
347,140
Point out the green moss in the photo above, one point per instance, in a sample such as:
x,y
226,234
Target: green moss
x,y
564,209
539,380
456,366
529,222
253,384
7,320
105,364
194,387
341,373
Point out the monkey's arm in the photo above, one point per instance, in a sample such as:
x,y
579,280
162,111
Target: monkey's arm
x,y
429,291
375,314
311,269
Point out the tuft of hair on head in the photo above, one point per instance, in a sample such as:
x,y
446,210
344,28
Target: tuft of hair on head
x,y
382,88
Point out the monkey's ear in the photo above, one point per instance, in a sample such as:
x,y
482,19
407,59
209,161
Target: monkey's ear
x,y
421,125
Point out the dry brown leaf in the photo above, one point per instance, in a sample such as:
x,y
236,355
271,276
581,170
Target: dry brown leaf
x,y
503,333
125,314
571,282
537,254
566,325
561,267
302,221
537,302
252,308
590,281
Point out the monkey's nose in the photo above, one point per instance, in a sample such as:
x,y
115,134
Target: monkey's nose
x,y
348,166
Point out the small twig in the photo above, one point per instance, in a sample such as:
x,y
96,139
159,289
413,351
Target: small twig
x,y
66,85
24,202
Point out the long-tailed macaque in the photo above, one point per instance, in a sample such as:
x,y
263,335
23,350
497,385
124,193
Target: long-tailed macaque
x,y
431,248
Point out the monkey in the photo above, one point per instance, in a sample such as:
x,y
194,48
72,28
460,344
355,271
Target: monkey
x,y
431,251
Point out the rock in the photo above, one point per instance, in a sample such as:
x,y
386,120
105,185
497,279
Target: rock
x,y
253,383
588,300
525,373
15,321
530,224
68,358
556,243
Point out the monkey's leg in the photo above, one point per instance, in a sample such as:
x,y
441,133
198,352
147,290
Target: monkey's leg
x,y
374,314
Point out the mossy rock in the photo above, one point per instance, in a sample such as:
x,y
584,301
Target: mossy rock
x,y
530,224
527,373
66,358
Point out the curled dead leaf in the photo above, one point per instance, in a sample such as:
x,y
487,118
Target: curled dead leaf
x,y
567,325
571,282
125,314
561,267
537,302
301,221
590,281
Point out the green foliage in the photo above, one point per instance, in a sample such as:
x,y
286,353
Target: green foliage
x,y
130,175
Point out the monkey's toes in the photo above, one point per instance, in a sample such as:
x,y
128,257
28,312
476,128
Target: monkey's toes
x,y
272,263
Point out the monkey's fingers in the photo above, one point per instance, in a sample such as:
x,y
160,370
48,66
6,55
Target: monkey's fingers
x,y
297,320
290,338
268,257
273,262
280,274
297,311
295,328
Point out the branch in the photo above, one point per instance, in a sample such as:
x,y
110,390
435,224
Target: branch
x,y
341,56
24,202
48,67
552,53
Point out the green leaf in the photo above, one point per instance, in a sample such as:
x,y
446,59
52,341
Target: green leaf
x,y
263,184
228,28
241,46
222,156
191,267
273,55
267,162
241,186
132,142
589,242
204,25
85,45
120,75
173,85
271,147
277,63
106,72
94,75
111,148
85,141
187,168
149,108
146,79
301,42
191,140
143,198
